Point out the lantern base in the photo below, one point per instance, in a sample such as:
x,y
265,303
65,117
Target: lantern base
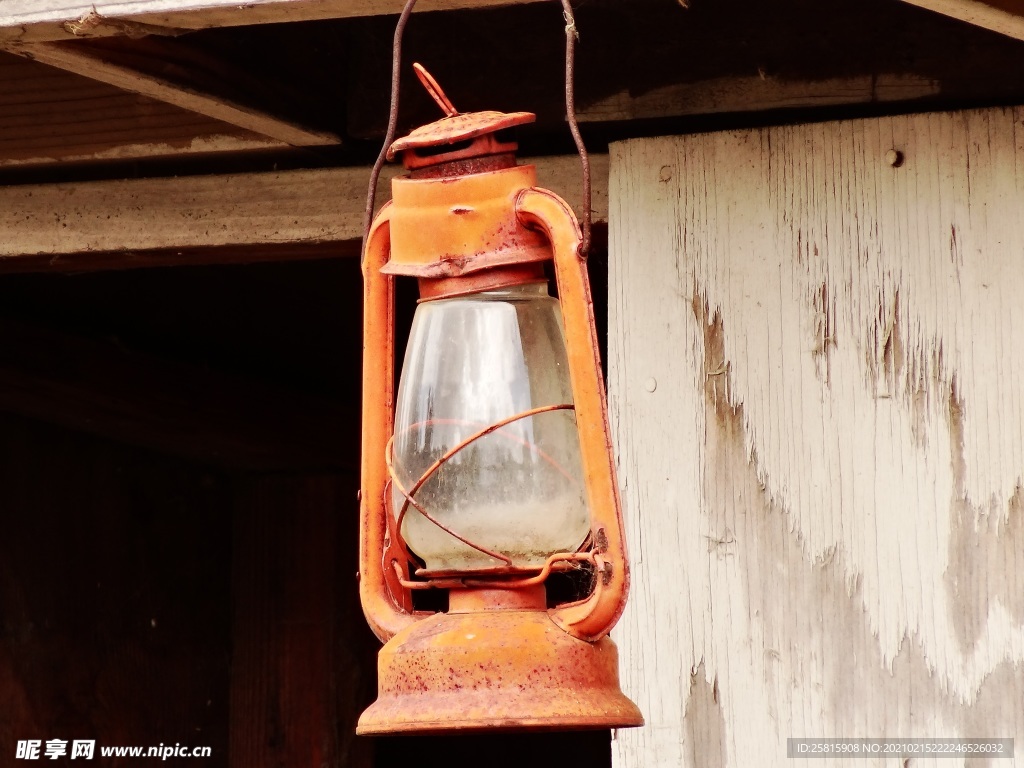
x,y
496,670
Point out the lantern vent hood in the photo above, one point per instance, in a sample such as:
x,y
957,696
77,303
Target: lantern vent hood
x,y
456,136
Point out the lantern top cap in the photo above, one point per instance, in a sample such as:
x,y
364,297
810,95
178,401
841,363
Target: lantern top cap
x,y
450,130
454,127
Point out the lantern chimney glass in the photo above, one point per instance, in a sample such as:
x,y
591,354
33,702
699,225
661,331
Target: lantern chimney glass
x,y
473,361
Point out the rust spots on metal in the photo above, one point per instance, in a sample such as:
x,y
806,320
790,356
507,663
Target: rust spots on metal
x,y
496,669
458,128
466,219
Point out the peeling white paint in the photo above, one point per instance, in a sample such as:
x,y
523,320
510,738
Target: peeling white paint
x,y
825,490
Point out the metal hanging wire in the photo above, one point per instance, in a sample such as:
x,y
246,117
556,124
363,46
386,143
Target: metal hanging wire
x,y
389,136
571,38
572,35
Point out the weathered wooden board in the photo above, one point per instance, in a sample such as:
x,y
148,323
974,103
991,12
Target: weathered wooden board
x,y
144,75
656,60
79,226
39,20
48,116
303,658
816,357
1003,16
115,591
758,92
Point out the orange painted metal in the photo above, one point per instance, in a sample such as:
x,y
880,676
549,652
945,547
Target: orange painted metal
x,y
449,227
487,280
388,607
594,617
499,658
496,669
457,129
456,136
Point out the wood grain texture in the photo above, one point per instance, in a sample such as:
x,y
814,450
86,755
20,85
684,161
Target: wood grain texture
x,y
78,226
141,77
41,20
824,488
47,115
1003,16
115,594
754,93
656,60
302,669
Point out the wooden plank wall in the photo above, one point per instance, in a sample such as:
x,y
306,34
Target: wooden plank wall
x,y
816,355
303,658
147,600
114,587
174,568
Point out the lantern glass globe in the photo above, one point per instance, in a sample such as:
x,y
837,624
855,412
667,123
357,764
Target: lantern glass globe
x,y
473,361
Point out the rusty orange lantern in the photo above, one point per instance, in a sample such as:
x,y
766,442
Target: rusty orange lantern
x,y
493,469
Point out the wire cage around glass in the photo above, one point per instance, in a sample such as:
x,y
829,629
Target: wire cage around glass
x,y
485,461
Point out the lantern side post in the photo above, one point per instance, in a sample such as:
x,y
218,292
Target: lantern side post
x,y
386,604
595,616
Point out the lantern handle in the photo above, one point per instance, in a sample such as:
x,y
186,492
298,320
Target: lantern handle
x,y
572,36
388,607
434,89
592,618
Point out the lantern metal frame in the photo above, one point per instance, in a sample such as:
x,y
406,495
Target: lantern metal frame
x,y
385,591
467,219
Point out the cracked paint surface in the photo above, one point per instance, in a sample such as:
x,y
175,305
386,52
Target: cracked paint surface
x,y
824,490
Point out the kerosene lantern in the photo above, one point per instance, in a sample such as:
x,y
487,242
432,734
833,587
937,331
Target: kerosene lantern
x,y
493,469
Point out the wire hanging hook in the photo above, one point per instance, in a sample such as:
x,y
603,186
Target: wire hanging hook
x,y
572,35
389,136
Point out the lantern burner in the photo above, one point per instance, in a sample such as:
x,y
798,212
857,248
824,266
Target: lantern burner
x,y
458,143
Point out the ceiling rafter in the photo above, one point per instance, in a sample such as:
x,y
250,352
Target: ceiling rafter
x,y
215,219
176,73
33,21
1003,16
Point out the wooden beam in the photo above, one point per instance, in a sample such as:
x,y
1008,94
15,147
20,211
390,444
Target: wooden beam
x,y
210,144
1003,16
30,21
101,388
212,219
141,77
756,93
740,59
53,116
